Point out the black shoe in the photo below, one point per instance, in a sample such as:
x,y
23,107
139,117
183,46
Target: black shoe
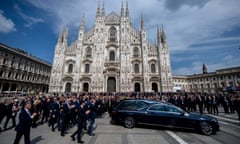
x,y
73,138
62,134
80,141
53,130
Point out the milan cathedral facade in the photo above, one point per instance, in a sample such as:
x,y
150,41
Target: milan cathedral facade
x,y
112,56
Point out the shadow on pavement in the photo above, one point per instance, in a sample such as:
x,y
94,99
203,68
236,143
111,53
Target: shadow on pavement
x,y
36,140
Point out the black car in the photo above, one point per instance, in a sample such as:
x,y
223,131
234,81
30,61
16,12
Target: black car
x,y
130,112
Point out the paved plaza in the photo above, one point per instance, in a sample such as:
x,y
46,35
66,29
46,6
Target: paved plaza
x,y
107,133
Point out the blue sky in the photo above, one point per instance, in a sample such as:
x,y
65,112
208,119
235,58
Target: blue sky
x,y
198,31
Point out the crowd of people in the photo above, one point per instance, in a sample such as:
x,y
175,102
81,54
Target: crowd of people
x,y
63,112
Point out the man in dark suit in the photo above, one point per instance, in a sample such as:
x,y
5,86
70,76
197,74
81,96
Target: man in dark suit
x,y
237,106
3,110
24,125
55,113
12,110
66,114
81,120
91,116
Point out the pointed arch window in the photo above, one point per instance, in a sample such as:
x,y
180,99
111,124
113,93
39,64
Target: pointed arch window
x,y
136,52
88,52
112,34
136,68
112,56
87,68
153,68
70,68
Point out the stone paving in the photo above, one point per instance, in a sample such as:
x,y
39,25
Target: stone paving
x,y
105,134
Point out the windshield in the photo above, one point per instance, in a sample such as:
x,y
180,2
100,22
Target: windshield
x,y
132,105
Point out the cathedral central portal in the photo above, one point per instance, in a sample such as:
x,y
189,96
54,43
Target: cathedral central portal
x,y
111,84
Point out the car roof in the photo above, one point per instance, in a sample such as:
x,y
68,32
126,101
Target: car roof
x,y
144,100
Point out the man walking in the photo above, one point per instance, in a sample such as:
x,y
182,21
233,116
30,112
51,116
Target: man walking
x,y
24,125
237,106
81,120
3,110
12,110
91,116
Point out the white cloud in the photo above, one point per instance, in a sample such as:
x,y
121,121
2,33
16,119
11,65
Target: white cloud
x,y
174,5
228,58
187,23
6,25
218,40
196,66
192,22
29,20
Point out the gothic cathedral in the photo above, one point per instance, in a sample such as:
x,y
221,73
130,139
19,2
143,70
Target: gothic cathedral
x,y
112,56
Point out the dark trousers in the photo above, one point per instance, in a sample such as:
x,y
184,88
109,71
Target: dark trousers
x,y
20,134
65,122
209,109
90,126
215,109
238,112
55,119
79,133
13,120
1,117
200,107
44,116
52,122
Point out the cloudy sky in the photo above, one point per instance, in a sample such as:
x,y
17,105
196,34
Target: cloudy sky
x,y
198,31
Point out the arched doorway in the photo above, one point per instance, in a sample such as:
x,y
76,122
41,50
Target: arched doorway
x,y
13,87
111,84
5,87
68,87
85,87
137,87
154,87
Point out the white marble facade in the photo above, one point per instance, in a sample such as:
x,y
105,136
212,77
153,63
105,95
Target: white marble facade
x,y
112,56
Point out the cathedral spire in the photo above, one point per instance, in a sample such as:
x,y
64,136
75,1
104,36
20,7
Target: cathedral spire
x,y
142,23
158,35
103,10
82,23
65,36
122,10
66,33
127,11
82,27
163,35
60,37
98,9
